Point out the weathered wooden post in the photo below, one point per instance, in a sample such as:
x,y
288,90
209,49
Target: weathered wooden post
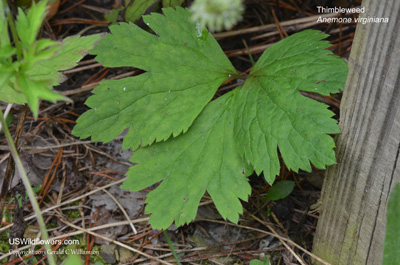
x,y
351,228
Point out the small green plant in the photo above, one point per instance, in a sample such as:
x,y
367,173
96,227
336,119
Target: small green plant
x,y
258,262
29,68
195,146
19,196
280,190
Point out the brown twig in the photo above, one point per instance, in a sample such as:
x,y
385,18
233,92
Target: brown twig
x,y
77,21
292,22
49,177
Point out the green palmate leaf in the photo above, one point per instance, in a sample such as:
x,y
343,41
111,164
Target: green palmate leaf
x,y
223,140
271,113
203,159
184,65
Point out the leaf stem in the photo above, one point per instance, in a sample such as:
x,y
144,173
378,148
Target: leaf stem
x,y
171,246
28,188
13,30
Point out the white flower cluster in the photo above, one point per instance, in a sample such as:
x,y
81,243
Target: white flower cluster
x,y
217,14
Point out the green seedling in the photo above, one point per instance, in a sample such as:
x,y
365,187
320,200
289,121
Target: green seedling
x,y
19,196
280,190
30,69
258,262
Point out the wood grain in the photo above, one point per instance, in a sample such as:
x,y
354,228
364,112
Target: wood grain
x,y
351,228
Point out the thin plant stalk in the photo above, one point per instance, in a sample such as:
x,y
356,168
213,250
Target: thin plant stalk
x,y
13,30
8,108
171,246
29,190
